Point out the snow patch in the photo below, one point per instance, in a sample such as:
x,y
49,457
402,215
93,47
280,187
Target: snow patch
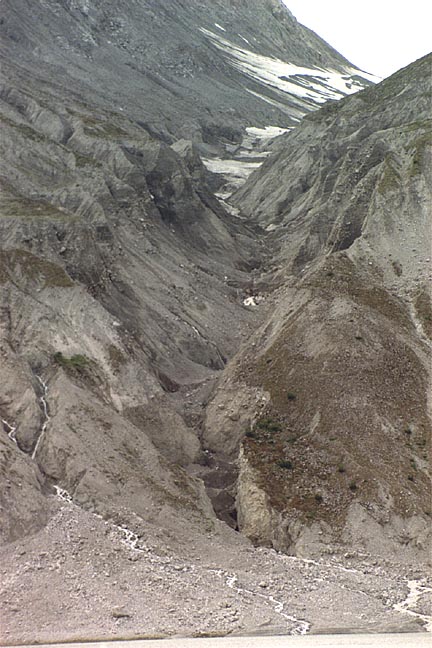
x,y
235,168
268,132
277,104
253,301
248,158
365,75
233,211
256,136
244,39
219,27
309,85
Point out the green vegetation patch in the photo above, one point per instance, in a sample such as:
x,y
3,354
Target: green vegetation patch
x,y
103,129
86,160
269,425
26,131
390,178
419,147
74,362
117,358
20,265
420,124
286,464
15,205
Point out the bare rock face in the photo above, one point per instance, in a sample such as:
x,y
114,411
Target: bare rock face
x,y
253,509
178,70
229,416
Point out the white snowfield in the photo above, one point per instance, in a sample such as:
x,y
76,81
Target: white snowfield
x,y
238,170
268,132
231,168
313,85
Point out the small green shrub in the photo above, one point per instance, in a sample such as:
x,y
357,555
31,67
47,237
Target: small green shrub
x,y
285,463
291,396
269,425
75,362
319,498
353,486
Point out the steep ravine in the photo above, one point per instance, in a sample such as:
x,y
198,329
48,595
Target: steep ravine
x,y
126,283
214,345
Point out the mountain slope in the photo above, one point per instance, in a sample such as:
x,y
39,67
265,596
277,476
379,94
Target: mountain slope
x,y
123,277
338,379
178,69
166,361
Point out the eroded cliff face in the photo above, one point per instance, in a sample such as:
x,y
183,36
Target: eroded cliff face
x,y
121,282
338,452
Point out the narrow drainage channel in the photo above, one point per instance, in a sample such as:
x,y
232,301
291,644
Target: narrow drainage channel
x,y
128,537
44,406
416,589
11,429
301,626
220,481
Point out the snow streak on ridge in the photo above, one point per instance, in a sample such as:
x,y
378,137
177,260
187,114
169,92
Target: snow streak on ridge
x,y
307,86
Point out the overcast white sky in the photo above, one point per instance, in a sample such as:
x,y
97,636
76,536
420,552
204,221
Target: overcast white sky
x,y
378,36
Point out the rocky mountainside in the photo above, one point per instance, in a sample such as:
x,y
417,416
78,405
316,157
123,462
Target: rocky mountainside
x,y
198,70
337,448
123,277
175,361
